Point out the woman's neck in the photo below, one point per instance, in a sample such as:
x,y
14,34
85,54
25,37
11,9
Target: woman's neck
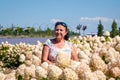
x,y
59,43
59,40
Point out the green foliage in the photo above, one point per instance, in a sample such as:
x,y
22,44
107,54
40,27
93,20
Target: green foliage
x,y
119,31
44,79
114,31
118,78
49,31
18,31
19,77
103,58
100,29
9,56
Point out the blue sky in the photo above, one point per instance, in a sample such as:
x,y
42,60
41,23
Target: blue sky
x,y
45,13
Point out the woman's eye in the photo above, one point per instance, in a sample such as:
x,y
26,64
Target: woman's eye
x,y
56,30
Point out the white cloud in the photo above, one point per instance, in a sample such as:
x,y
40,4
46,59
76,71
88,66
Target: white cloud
x,y
103,19
55,20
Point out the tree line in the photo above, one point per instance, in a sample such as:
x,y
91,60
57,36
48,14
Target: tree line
x,y
32,32
15,31
114,32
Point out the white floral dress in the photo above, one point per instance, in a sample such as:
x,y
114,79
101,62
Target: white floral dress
x,y
67,49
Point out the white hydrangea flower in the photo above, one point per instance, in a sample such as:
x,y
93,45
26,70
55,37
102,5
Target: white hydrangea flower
x,y
2,76
117,47
88,53
28,62
69,74
74,65
38,53
106,33
29,72
111,78
83,57
100,75
102,52
63,60
102,39
39,43
96,63
10,76
33,79
54,72
117,38
28,55
86,46
20,70
45,65
36,61
89,76
80,38
40,73
111,55
115,72
22,58
81,69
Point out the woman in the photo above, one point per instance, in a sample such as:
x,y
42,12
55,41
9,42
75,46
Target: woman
x,y
59,44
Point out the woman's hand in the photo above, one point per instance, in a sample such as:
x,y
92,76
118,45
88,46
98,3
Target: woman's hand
x,y
51,59
74,54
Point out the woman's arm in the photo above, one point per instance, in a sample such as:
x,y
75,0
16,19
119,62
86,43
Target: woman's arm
x,y
45,54
74,54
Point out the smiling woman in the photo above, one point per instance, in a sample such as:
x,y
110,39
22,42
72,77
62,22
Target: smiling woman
x,y
58,45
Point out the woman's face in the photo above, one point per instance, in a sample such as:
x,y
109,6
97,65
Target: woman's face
x,y
60,32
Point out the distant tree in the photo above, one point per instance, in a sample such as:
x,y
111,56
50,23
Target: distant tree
x,y
78,28
5,31
114,31
29,30
84,28
18,30
100,29
48,31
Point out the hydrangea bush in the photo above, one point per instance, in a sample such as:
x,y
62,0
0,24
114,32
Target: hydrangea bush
x,y
99,59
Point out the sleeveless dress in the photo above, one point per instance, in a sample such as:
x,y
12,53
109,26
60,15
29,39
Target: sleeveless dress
x,y
67,49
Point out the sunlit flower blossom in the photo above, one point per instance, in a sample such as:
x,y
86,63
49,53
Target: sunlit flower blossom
x,y
29,72
22,58
63,60
40,73
2,76
45,65
28,62
36,61
89,76
74,65
115,72
10,76
96,63
106,33
117,47
69,74
81,69
82,55
20,70
29,55
100,75
111,78
54,72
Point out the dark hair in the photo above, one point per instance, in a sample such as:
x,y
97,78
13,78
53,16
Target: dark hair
x,y
65,25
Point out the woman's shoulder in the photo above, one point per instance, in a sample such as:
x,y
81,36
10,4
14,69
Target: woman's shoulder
x,y
68,43
48,42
